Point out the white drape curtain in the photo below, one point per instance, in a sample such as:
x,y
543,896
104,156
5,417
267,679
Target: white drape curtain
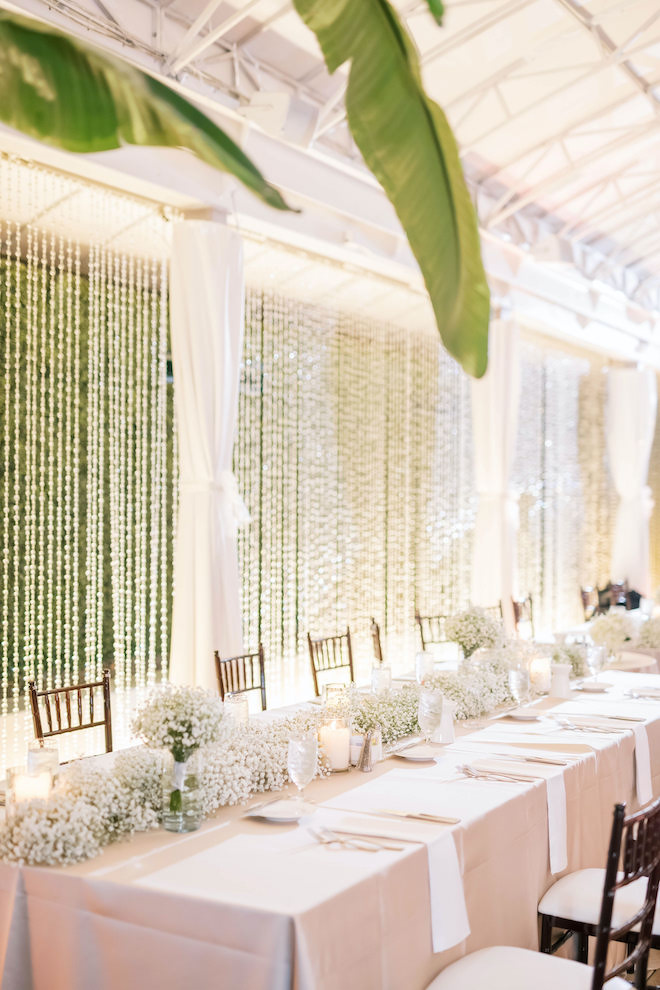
x,y
630,426
494,426
206,310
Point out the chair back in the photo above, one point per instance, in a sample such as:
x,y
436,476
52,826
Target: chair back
x,y
590,603
634,854
242,674
523,612
619,594
375,639
330,653
431,628
68,709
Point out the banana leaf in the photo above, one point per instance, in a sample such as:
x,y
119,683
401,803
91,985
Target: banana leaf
x,y
437,8
407,143
71,95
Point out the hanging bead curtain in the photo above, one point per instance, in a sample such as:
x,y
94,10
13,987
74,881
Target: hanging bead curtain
x,y
86,448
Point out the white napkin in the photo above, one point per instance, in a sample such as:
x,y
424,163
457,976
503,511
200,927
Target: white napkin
x,y
557,825
449,919
404,791
447,734
642,764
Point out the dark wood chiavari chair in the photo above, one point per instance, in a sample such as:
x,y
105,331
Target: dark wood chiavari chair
x,y
590,603
242,674
375,640
330,653
431,629
633,857
523,612
619,593
69,709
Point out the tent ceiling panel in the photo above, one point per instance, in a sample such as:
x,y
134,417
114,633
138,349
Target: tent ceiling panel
x,y
555,103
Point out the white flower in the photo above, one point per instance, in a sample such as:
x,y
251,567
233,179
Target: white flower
x,y
649,634
611,630
473,630
180,719
574,654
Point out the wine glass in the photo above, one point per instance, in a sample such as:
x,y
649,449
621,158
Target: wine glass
x,y
519,682
595,659
381,678
424,666
301,761
429,712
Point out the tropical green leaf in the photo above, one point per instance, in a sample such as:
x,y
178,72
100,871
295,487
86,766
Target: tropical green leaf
x,y
437,8
68,94
407,143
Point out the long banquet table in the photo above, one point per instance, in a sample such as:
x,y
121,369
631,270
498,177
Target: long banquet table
x,y
247,904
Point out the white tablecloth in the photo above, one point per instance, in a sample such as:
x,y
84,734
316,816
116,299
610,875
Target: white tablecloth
x,y
244,904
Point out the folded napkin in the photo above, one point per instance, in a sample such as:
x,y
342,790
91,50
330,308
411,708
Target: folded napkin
x,y
449,919
557,823
555,798
405,792
642,764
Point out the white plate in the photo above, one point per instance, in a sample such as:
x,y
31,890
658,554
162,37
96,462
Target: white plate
x,y
521,715
595,687
284,810
420,753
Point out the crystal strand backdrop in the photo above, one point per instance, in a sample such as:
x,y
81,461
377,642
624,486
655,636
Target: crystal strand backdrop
x,y
86,448
354,451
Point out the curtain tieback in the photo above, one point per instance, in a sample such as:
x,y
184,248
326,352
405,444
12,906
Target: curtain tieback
x,y
231,502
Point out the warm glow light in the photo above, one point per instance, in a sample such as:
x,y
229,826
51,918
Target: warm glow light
x,y
539,674
335,739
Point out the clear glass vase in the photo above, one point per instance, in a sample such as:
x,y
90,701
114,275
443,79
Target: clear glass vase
x,y
182,796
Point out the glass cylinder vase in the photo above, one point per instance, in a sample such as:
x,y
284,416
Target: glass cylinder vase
x,y
182,796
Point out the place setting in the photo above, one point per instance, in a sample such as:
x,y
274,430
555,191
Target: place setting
x,y
329,494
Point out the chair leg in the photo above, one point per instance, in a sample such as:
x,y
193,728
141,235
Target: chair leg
x,y
546,933
581,947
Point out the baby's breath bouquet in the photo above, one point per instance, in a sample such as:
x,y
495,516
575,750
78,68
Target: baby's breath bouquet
x,y
179,719
649,634
474,629
611,630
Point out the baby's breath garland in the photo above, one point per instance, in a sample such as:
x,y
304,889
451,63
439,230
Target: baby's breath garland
x,y
92,805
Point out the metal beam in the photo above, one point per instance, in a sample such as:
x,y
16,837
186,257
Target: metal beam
x,y
192,32
569,172
196,48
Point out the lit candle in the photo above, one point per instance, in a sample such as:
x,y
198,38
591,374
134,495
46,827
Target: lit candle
x,y
28,786
335,739
539,674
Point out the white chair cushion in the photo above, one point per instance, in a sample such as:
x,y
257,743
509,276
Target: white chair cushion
x,y
578,897
507,968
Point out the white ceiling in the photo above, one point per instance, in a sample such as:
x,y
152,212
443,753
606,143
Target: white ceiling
x,y
555,104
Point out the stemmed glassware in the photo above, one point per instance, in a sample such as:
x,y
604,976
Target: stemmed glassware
x,y
596,659
424,666
429,712
301,761
519,681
